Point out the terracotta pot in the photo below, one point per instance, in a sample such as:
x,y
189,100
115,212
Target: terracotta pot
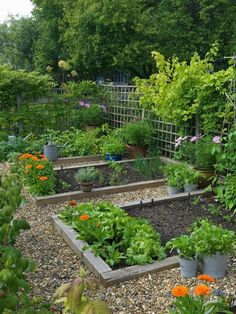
x,y
135,151
86,186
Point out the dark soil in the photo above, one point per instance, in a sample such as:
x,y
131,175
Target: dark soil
x,y
109,177
174,218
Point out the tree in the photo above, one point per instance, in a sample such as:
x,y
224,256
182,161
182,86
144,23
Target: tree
x,y
103,36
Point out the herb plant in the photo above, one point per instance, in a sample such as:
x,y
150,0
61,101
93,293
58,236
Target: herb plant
x,y
138,133
148,168
89,174
185,246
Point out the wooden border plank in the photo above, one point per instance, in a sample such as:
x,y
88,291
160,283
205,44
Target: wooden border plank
x,y
62,197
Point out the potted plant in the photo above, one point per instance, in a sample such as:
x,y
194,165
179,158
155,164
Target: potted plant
x,y
113,149
214,244
185,247
191,178
138,136
86,178
174,175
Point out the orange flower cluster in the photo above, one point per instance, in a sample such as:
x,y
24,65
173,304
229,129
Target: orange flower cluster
x,y
35,158
28,166
179,291
43,178
25,156
72,203
206,278
202,290
84,217
40,167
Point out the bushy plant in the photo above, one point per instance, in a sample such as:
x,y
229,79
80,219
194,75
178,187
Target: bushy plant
x,y
174,174
114,235
184,245
147,167
92,115
204,157
118,174
37,173
89,174
113,146
211,239
138,133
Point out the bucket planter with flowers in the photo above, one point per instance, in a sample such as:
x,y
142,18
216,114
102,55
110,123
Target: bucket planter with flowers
x,y
86,178
113,149
138,136
174,175
214,244
184,245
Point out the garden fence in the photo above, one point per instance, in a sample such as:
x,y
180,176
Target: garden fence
x,y
124,107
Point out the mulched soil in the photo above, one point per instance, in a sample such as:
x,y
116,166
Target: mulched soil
x,y
129,175
174,218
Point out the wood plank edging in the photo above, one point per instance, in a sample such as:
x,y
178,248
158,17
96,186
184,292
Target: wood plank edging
x,y
62,197
95,263
99,267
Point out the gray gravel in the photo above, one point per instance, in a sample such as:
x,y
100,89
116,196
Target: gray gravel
x,y
56,263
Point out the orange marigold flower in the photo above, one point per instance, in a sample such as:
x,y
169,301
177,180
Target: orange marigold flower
x,y
206,278
28,166
43,178
179,291
24,156
40,167
34,158
202,290
44,158
72,203
84,217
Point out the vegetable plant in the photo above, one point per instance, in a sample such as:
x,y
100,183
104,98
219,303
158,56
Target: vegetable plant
x,y
114,235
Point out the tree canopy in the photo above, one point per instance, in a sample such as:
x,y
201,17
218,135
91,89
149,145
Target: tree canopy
x,y
98,37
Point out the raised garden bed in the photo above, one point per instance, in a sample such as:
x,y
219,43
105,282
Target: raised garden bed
x,y
110,177
170,216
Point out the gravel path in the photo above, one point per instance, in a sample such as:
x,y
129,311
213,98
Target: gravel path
x,y
56,263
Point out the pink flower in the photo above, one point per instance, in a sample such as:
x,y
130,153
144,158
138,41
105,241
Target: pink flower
x,y
87,105
193,139
81,103
216,139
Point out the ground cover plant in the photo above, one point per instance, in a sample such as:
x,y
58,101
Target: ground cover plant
x,y
112,234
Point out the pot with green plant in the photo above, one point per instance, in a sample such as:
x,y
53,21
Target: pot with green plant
x,y
113,149
138,136
174,176
191,178
214,244
86,178
185,247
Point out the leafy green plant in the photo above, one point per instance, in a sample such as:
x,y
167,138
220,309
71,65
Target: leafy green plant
x,y
185,246
113,146
190,176
210,239
14,289
174,174
147,167
65,185
118,173
138,133
92,115
204,154
71,295
88,174
114,235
